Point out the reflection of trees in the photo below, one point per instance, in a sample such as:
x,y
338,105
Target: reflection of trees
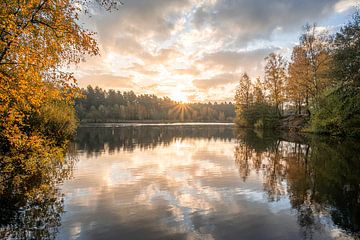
x,y
321,177
275,172
96,140
30,202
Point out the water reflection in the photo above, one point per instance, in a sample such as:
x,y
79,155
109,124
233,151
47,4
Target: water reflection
x,y
31,204
190,182
209,182
320,176
97,140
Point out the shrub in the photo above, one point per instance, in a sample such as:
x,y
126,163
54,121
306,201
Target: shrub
x,y
56,121
339,113
258,115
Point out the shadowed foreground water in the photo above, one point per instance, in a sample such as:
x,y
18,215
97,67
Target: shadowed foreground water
x,y
208,182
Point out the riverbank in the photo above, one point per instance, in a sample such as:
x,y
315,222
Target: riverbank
x,y
294,122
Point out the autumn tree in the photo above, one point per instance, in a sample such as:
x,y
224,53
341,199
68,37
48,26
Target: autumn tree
x,y
298,87
243,96
315,46
275,78
259,95
37,39
251,108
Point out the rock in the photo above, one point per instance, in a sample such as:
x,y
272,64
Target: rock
x,y
293,122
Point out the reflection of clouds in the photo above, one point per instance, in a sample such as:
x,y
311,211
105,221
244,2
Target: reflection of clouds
x,y
176,174
118,175
189,176
171,188
185,193
75,230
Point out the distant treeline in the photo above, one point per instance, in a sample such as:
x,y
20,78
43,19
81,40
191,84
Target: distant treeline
x,y
98,105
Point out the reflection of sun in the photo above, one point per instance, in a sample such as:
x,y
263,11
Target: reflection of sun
x,y
178,96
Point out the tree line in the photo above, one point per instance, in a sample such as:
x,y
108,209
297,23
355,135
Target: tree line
x,y
98,105
321,82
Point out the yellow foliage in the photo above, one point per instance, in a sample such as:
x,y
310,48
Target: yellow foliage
x,y
37,38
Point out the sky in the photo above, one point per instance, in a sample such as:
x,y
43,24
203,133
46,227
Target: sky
x,y
197,50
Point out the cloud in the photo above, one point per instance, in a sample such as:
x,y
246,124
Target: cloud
x,y
345,5
140,18
187,71
195,44
216,81
138,68
107,81
246,20
249,61
130,47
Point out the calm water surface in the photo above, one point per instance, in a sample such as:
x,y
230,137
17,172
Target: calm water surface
x,y
198,182
209,182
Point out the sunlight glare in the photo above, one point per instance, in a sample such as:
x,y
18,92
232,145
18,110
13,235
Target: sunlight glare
x,y
178,95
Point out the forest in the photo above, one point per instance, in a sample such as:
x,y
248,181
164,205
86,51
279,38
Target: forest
x,y
321,84
97,105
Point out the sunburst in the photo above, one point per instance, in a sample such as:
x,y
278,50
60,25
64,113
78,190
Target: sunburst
x,y
180,110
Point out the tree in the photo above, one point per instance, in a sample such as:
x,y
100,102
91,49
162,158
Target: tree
x,y
37,39
275,78
339,112
346,62
315,44
259,96
298,84
101,105
251,108
243,95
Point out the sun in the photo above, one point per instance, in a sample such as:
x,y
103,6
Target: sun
x,y
178,95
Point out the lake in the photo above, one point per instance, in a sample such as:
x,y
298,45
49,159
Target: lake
x,y
206,181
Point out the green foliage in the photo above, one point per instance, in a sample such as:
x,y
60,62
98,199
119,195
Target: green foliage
x,y
346,62
258,115
56,121
252,109
339,114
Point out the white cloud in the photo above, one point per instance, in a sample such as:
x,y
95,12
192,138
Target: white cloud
x,y
173,44
345,5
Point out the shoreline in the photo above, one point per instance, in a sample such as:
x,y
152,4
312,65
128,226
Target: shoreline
x,y
85,121
151,123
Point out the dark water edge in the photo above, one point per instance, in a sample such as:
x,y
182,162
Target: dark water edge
x,y
194,181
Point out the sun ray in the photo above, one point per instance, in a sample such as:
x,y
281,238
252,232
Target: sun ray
x,y
180,111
